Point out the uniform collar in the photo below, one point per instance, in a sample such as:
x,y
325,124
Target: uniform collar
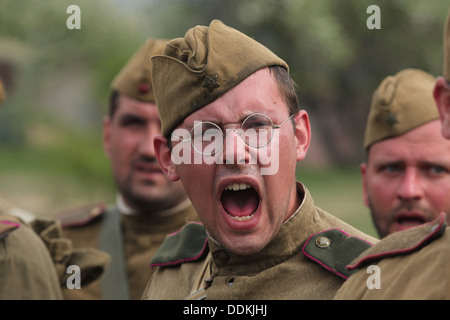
x,y
127,210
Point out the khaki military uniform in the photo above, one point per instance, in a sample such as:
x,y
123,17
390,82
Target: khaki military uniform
x,y
140,237
27,269
34,257
413,264
306,260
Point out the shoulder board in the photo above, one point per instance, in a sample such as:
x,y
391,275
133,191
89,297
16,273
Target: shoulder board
x,y
80,216
402,242
334,249
186,245
7,226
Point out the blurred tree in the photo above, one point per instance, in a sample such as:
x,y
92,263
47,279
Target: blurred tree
x,y
65,72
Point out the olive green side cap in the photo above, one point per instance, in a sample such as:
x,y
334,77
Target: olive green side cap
x,y
401,103
134,80
197,69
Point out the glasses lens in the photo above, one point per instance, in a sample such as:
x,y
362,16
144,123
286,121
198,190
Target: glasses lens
x,y
258,130
206,138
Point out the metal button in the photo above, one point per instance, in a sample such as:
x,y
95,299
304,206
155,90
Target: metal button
x,y
323,242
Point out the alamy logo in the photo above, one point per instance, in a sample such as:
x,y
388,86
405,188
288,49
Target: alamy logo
x,y
374,21
374,281
74,20
74,281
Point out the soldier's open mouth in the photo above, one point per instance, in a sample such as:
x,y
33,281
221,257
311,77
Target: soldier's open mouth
x,y
240,201
410,222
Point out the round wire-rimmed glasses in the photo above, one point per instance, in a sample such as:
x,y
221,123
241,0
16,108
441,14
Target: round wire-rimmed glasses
x,y
207,137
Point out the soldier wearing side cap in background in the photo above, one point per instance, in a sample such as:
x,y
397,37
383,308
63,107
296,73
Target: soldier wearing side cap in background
x,y
34,257
148,206
406,176
406,184
230,116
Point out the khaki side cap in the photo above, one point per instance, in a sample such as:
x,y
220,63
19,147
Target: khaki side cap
x,y
400,103
202,66
134,80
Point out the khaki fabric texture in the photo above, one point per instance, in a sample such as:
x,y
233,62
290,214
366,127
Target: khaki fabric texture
x,y
92,262
418,275
142,236
84,237
401,103
27,269
279,271
38,245
447,49
206,63
134,80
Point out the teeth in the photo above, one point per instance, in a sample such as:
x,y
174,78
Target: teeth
x,y
237,186
244,218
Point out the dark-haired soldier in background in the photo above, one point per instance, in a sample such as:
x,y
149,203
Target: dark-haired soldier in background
x,y
148,205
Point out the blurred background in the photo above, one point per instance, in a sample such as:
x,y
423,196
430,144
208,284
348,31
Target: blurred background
x,y
57,81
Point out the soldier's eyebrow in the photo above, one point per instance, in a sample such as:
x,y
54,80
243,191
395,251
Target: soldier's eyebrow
x,y
445,166
381,165
129,117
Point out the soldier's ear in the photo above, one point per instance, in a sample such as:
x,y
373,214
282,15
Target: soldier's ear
x,y
363,170
441,94
164,157
302,133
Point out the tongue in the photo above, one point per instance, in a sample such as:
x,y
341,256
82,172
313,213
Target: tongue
x,y
240,203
